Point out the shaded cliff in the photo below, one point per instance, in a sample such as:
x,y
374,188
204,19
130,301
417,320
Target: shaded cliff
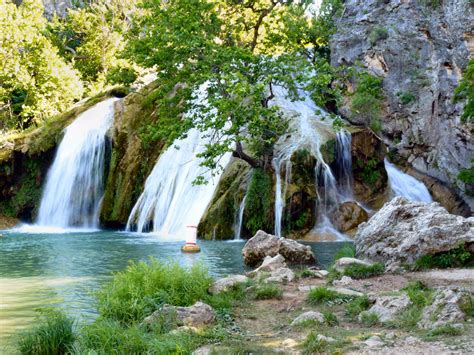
x,y
419,48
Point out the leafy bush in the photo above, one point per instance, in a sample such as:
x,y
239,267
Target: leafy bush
x,y
367,99
312,345
53,334
406,97
268,291
467,177
465,92
369,173
418,293
330,318
357,271
458,257
378,33
357,306
144,287
445,330
319,295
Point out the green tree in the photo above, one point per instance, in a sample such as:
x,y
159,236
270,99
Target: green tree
x,y
231,56
35,81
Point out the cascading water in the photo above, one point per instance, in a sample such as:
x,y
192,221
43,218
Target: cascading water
x,y
344,163
238,219
405,185
75,181
307,131
170,200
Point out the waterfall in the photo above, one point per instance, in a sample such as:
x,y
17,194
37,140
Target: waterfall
x,y
75,181
405,185
344,163
170,201
309,127
238,219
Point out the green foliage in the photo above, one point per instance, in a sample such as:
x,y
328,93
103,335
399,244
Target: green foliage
x,y
266,291
457,257
52,334
467,177
224,301
312,345
330,318
144,287
357,306
418,293
347,251
421,296
369,319
36,82
369,173
406,97
377,34
434,4
367,99
358,271
465,92
445,330
468,307
320,295
258,204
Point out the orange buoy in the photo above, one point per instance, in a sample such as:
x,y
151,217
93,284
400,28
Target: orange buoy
x,y
191,246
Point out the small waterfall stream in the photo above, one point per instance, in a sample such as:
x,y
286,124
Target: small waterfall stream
x,y
344,163
238,219
170,200
75,182
405,185
307,131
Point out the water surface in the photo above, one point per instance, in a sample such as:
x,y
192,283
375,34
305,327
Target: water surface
x,y
41,270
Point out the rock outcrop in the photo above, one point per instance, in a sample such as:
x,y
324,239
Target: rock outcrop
x,y
263,244
388,307
197,315
348,215
227,283
310,316
342,263
420,61
403,231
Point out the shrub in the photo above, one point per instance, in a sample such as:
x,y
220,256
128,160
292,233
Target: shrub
x,y
367,99
53,334
458,257
418,293
258,205
357,271
319,295
330,318
357,306
369,319
465,92
144,287
445,330
468,308
406,97
378,33
268,291
347,251
312,345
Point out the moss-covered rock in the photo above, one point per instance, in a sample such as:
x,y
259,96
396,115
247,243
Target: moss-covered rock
x,y
219,218
131,159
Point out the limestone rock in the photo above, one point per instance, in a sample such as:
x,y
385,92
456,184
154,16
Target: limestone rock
x,y
308,316
446,307
324,338
197,315
348,215
281,275
226,283
344,281
342,263
269,264
263,244
403,231
388,307
346,291
374,342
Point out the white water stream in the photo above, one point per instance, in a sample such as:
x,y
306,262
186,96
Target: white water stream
x,y
405,185
75,182
239,218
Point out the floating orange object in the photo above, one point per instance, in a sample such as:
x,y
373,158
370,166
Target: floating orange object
x,y
191,246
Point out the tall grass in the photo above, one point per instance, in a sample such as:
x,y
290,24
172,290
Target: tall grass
x,y
53,334
143,287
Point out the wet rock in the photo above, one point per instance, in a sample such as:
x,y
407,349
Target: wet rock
x,y
226,283
342,263
197,315
388,307
263,244
281,275
403,231
446,307
308,316
348,215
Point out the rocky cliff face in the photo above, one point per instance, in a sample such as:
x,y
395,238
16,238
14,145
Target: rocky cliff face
x,y
419,48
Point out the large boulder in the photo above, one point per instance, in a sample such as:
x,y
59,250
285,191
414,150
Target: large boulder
x,y
197,315
341,264
348,215
447,307
403,231
264,244
310,316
